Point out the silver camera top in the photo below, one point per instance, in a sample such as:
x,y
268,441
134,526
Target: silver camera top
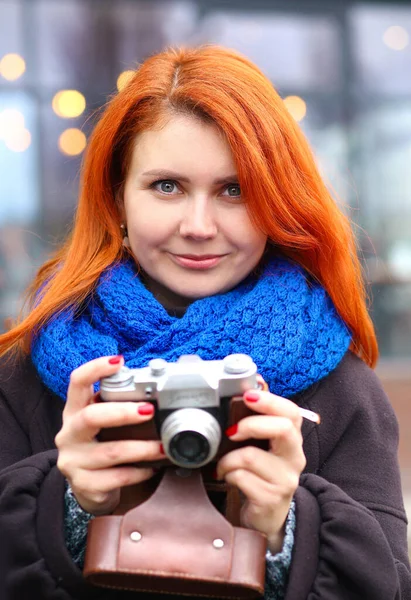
x,y
189,382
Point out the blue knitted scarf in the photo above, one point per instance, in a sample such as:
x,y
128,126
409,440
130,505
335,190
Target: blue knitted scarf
x,y
285,322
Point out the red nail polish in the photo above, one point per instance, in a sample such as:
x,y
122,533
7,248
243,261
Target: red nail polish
x,y
215,475
145,409
162,449
115,360
252,396
231,430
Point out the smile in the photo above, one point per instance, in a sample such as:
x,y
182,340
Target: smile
x,y
191,261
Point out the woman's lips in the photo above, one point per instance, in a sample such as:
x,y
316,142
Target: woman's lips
x,y
197,263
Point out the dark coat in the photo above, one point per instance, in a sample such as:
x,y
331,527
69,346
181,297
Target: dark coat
x,y
350,538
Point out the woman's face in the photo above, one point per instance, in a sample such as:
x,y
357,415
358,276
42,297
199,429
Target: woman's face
x,y
187,222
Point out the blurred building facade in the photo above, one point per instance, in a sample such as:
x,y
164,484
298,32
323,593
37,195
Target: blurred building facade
x,y
343,69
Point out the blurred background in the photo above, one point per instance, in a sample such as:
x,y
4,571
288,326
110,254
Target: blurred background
x,y
343,69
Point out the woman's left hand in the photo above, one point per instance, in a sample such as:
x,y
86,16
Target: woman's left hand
x,y
267,479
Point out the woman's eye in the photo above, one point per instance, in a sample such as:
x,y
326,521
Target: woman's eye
x,y
165,186
233,190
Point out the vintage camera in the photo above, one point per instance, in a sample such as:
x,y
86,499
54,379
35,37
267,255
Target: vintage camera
x,y
195,401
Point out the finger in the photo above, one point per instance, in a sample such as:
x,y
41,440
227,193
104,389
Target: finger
x,y
264,427
285,439
86,424
270,404
80,388
264,465
95,485
107,454
257,461
257,491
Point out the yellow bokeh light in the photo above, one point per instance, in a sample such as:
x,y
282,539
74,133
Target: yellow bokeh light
x,y
396,37
72,142
296,106
19,141
68,104
123,79
11,120
12,66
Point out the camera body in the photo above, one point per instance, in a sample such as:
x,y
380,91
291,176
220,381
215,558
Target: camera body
x,y
195,401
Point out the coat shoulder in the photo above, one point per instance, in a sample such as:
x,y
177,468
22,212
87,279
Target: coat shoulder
x,y
17,371
351,386
355,412
20,385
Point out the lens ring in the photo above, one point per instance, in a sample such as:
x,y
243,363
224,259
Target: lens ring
x,y
189,448
197,423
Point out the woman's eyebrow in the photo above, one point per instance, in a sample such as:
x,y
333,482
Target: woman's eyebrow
x,y
166,174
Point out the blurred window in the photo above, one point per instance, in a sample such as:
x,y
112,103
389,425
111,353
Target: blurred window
x,y
11,27
381,47
19,195
381,151
309,46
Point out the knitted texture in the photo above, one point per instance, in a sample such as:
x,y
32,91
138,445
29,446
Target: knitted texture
x,y
76,521
283,320
277,566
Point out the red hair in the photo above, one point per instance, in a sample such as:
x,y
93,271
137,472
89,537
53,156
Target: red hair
x,y
285,194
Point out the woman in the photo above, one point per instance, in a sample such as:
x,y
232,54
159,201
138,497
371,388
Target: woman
x,y
203,227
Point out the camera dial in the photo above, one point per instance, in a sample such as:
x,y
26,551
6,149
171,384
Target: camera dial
x,y
123,378
237,363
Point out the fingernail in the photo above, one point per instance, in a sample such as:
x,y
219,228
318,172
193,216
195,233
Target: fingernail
x,y
252,396
145,409
231,430
215,474
115,360
162,449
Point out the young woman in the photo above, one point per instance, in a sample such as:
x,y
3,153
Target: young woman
x,y
203,227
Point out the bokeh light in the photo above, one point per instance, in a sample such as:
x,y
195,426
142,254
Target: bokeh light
x,y
12,66
19,141
296,106
123,79
396,37
12,130
11,120
72,142
68,104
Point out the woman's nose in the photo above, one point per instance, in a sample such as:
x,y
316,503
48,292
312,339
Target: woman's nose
x,y
198,220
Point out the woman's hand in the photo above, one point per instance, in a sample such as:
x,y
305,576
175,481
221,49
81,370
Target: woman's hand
x,y
267,479
91,467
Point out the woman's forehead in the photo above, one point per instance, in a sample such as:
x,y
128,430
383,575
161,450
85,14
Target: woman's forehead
x,y
185,146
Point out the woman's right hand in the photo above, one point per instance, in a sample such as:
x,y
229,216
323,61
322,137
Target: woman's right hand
x,y
91,467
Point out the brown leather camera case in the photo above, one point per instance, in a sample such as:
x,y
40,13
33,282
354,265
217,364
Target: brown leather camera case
x,y
176,542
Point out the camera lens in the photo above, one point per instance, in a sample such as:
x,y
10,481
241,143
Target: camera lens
x,y
189,447
190,437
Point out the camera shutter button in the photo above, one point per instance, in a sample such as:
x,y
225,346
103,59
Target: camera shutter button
x,y
157,366
237,363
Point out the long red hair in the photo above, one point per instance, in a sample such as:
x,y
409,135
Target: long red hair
x,y
286,195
